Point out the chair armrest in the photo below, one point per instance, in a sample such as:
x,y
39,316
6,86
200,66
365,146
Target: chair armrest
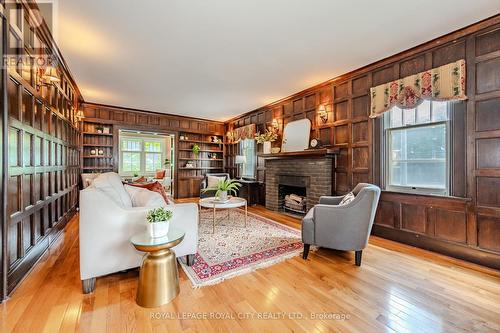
x,y
203,185
330,200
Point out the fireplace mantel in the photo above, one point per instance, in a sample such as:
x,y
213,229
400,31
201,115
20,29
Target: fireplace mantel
x,y
322,152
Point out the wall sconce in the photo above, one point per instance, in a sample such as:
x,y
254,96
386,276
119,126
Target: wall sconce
x,y
80,115
322,113
46,77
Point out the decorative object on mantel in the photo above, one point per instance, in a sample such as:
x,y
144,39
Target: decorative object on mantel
x,y
315,143
296,135
232,250
266,138
444,83
158,222
322,113
275,125
275,150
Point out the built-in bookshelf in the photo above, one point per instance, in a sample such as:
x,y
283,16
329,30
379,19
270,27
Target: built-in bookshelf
x,y
192,166
97,147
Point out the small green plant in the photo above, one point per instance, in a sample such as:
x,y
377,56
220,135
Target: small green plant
x,y
167,162
159,215
136,174
268,136
196,149
99,128
227,185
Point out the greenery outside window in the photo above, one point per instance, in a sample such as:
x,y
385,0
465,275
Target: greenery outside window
x,y
416,149
141,155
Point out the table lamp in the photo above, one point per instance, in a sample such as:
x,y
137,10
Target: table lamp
x,y
240,159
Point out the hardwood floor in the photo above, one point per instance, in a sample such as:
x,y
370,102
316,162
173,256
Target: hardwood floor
x,y
397,289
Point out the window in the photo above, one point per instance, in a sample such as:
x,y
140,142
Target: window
x,y
247,149
416,148
141,155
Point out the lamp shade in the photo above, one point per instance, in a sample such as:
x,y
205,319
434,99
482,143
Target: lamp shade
x,y
240,159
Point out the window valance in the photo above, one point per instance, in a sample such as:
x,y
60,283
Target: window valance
x,y
241,133
442,83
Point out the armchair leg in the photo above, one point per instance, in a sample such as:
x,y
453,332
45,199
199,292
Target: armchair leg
x,y
306,251
88,285
358,257
190,259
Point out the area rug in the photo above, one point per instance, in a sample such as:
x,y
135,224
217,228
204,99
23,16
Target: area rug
x,y
235,250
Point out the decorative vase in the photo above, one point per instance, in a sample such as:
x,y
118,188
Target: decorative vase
x,y
267,147
223,196
92,152
158,229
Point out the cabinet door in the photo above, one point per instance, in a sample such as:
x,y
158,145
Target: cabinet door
x,y
189,188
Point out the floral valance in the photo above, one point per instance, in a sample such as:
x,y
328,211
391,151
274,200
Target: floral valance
x,y
241,133
442,83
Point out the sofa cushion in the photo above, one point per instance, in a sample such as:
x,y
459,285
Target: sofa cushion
x,y
155,187
142,197
347,198
212,181
111,184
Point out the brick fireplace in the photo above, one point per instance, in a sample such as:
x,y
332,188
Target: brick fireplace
x,y
311,176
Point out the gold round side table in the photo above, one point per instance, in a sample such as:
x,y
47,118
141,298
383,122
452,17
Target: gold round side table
x,y
158,276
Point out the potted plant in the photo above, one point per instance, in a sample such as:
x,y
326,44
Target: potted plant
x,y
223,187
159,222
99,128
167,163
196,149
266,138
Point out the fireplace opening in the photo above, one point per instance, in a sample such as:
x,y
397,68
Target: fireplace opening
x,y
292,199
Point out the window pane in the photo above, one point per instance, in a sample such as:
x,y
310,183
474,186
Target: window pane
x,y
153,162
408,116
439,111
152,146
396,117
131,162
424,112
248,150
131,145
418,157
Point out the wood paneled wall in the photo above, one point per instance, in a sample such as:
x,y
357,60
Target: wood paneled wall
x,y
41,150
465,225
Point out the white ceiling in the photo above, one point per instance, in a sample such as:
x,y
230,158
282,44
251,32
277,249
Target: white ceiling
x,y
220,58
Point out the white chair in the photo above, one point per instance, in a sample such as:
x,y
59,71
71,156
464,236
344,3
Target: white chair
x,y
108,219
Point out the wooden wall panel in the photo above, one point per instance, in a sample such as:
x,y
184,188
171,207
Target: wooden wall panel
x,y
488,115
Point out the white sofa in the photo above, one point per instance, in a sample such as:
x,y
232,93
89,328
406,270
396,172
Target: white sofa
x,y
108,218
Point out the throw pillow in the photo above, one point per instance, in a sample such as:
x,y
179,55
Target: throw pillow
x,y
347,198
160,174
142,197
140,180
212,181
155,187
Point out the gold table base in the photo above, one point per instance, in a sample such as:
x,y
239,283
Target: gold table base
x,y
158,278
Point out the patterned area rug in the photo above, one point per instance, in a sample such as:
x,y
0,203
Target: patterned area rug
x,y
235,250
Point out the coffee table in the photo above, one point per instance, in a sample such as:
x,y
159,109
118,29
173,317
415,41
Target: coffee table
x,y
158,276
214,203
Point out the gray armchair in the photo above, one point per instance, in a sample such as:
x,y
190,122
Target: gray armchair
x,y
204,184
345,227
